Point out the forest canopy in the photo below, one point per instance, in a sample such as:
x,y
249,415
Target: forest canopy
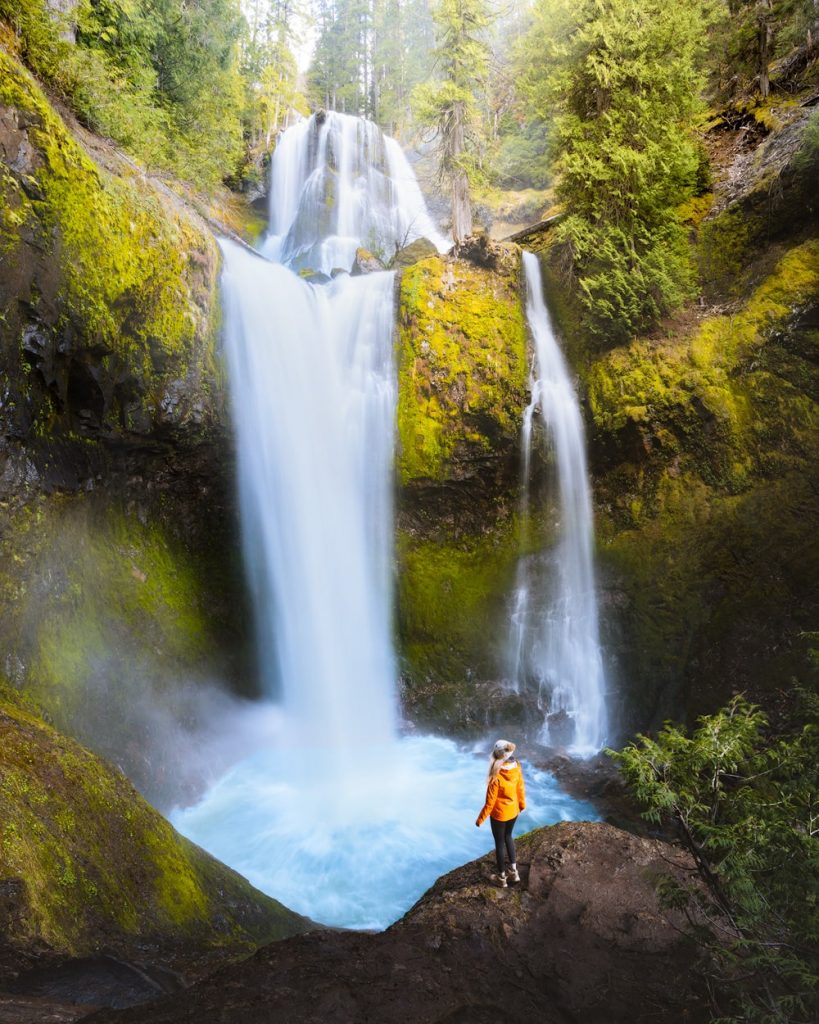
x,y
603,101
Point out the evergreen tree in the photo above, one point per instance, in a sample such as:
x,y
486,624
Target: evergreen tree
x,y
621,79
746,807
451,106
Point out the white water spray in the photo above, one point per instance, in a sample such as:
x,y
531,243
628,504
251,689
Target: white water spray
x,y
557,643
335,815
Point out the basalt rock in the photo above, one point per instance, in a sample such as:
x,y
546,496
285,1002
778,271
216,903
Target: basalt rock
x,y
462,389
119,569
88,867
581,940
418,250
365,263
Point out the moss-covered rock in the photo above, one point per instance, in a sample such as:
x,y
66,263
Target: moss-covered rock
x,y
120,582
108,287
463,375
705,453
86,864
118,620
462,367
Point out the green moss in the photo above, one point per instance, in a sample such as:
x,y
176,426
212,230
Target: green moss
x,y
105,619
450,598
99,866
703,395
131,263
705,523
462,365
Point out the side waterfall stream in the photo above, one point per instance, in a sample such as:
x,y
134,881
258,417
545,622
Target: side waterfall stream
x,y
335,813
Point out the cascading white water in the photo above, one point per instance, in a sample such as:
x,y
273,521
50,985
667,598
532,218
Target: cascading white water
x,y
314,406
334,815
338,183
555,640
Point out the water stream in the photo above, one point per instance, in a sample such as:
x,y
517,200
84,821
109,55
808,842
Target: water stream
x,y
334,812
554,636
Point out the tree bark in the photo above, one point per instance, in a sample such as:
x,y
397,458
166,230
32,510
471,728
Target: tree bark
x,y
461,203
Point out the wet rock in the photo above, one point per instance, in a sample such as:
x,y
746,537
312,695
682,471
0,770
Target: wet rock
x,y
581,939
314,277
365,263
412,253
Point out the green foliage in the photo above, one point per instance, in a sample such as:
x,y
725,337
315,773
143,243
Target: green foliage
x,y
746,806
449,106
161,77
622,79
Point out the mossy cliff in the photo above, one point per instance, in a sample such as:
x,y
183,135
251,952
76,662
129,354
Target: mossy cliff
x,y
120,584
86,864
108,289
704,451
462,380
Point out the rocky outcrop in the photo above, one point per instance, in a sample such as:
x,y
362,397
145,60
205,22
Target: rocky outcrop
x,y
86,866
581,940
120,579
703,445
462,381
413,253
365,263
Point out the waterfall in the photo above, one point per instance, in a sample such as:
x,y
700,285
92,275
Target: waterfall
x,y
314,403
554,635
337,183
333,813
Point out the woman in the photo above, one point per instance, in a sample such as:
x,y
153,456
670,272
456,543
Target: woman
x,y
505,799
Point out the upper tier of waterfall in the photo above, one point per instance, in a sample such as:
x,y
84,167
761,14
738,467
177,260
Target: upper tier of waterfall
x,y
338,183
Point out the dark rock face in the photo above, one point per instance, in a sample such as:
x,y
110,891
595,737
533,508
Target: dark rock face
x,y
119,566
580,941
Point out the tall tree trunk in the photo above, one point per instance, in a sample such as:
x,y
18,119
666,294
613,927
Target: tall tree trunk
x,y
461,203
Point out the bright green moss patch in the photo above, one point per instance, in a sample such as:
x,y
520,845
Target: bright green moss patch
x,y
451,598
462,365
99,865
136,276
727,396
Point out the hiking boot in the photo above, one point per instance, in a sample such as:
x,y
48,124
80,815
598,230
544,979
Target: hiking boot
x,y
499,880
513,873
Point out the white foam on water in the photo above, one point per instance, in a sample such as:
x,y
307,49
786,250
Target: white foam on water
x,y
357,848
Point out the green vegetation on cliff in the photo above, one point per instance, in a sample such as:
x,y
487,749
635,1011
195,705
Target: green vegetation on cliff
x,y
462,364
745,807
705,446
97,867
119,277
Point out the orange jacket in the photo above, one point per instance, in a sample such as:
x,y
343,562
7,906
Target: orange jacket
x,y
505,795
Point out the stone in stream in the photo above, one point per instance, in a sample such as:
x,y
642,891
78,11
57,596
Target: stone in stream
x,y
365,263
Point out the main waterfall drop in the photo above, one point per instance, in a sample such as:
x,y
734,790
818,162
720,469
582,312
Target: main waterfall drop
x,y
334,814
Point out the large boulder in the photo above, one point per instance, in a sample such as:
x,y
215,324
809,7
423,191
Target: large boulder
x,y
462,389
582,940
87,866
418,250
365,263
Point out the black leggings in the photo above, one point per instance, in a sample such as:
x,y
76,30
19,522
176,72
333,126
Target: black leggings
x,y
502,834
